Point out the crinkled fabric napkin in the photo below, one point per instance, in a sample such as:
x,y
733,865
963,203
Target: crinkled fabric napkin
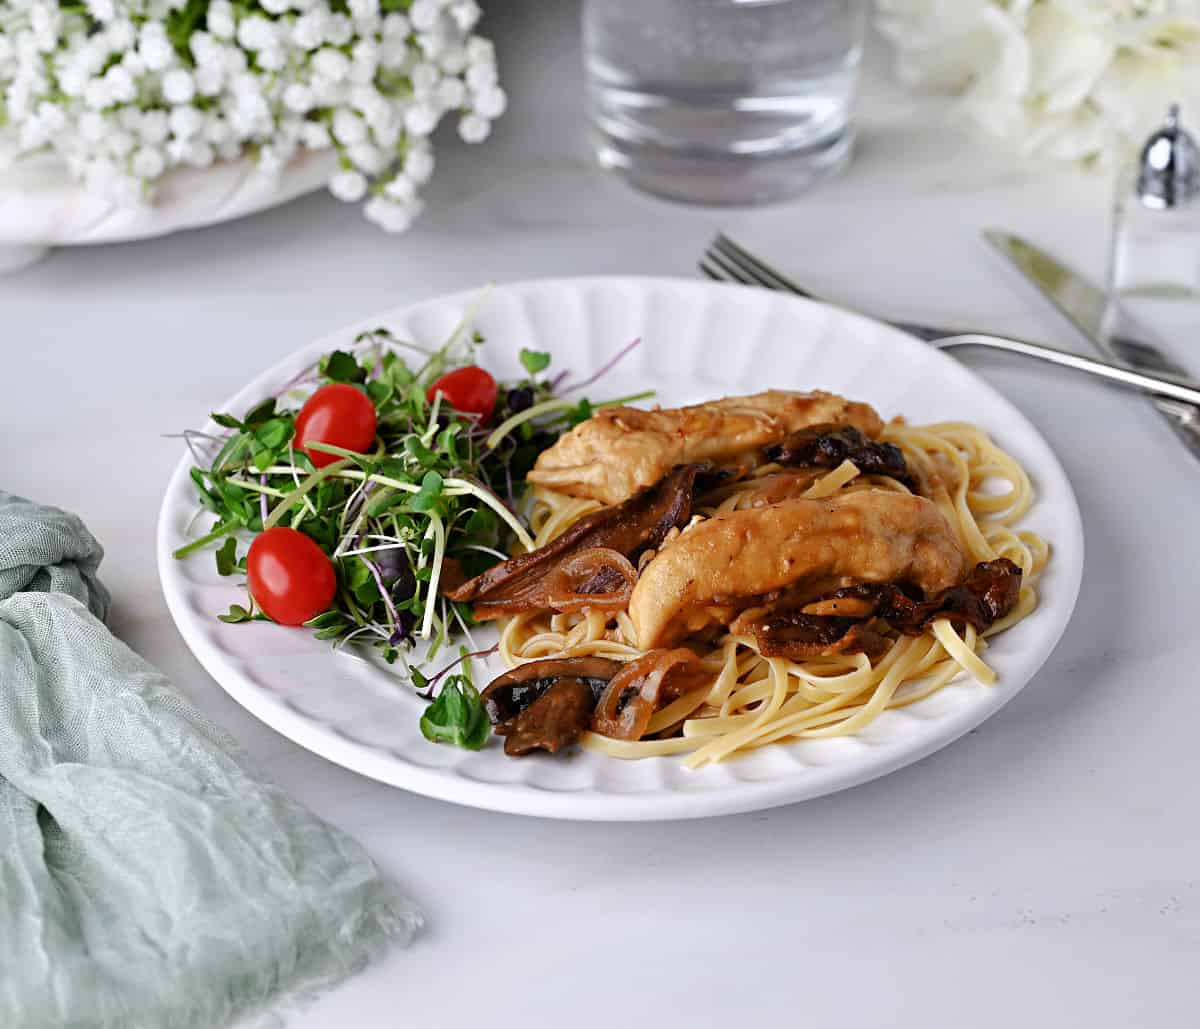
x,y
147,879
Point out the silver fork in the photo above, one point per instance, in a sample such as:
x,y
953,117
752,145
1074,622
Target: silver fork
x,y
726,261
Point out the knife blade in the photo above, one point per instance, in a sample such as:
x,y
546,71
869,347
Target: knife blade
x,y
1110,329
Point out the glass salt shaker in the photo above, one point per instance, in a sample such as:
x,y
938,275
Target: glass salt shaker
x,y
1156,225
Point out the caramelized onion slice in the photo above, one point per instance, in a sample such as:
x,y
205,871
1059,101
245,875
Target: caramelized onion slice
x,y
597,578
642,687
527,582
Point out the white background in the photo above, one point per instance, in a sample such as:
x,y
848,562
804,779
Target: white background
x,y
1045,870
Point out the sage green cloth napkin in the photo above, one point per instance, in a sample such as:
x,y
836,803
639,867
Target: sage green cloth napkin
x,y
147,878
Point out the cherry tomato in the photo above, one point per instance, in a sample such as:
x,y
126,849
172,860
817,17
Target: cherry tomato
x,y
289,576
469,389
338,414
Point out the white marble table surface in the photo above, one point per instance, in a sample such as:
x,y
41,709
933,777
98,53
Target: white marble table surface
x,y
1044,870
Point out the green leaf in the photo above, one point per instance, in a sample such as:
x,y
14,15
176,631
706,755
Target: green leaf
x,y
457,716
236,614
380,391
263,458
581,412
534,361
431,490
227,557
226,421
482,524
274,433
341,367
423,455
263,412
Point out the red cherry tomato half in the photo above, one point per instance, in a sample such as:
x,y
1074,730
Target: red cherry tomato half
x,y
289,576
337,414
470,390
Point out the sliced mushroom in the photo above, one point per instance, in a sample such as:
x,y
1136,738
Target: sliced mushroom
x,y
581,567
989,592
546,705
827,446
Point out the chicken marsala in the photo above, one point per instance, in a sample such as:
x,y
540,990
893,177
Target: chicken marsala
x,y
723,565
620,450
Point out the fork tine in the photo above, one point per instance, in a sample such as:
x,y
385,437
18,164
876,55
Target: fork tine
x,y
733,272
754,265
710,271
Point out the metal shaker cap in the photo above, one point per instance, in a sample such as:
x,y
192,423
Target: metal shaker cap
x,y
1169,167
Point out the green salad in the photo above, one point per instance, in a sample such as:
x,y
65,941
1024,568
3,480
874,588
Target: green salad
x,y
375,481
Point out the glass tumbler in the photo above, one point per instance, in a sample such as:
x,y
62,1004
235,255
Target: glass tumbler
x,y
723,101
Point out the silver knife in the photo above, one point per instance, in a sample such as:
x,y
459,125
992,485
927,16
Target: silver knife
x,y
1109,328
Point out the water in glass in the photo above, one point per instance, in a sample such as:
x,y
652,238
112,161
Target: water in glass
x,y
723,101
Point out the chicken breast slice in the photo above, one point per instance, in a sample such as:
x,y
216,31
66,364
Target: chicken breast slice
x,y
722,566
620,450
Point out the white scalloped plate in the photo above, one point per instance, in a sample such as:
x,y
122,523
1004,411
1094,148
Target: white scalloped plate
x,y
701,340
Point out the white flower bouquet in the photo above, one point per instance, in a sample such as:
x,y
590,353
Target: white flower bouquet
x,y
1072,79
123,91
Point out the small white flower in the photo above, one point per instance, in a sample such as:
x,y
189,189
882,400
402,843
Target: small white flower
x,y
474,129
424,14
132,62
451,94
217,131
275,6
490,103
420,119
102,10
220,19
308,31
93,126
271,58
339,29
418,165
121,87
348,127
270,160
331,64
424,77
453,60
147,163
298,97
119,143
185,122
368,158
156,51
466,14
350,186
178,86
199,154
119,34
96,94
210,79
480,51
315,136
154,127
401,189
256,33
395,26
363,10
480,76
